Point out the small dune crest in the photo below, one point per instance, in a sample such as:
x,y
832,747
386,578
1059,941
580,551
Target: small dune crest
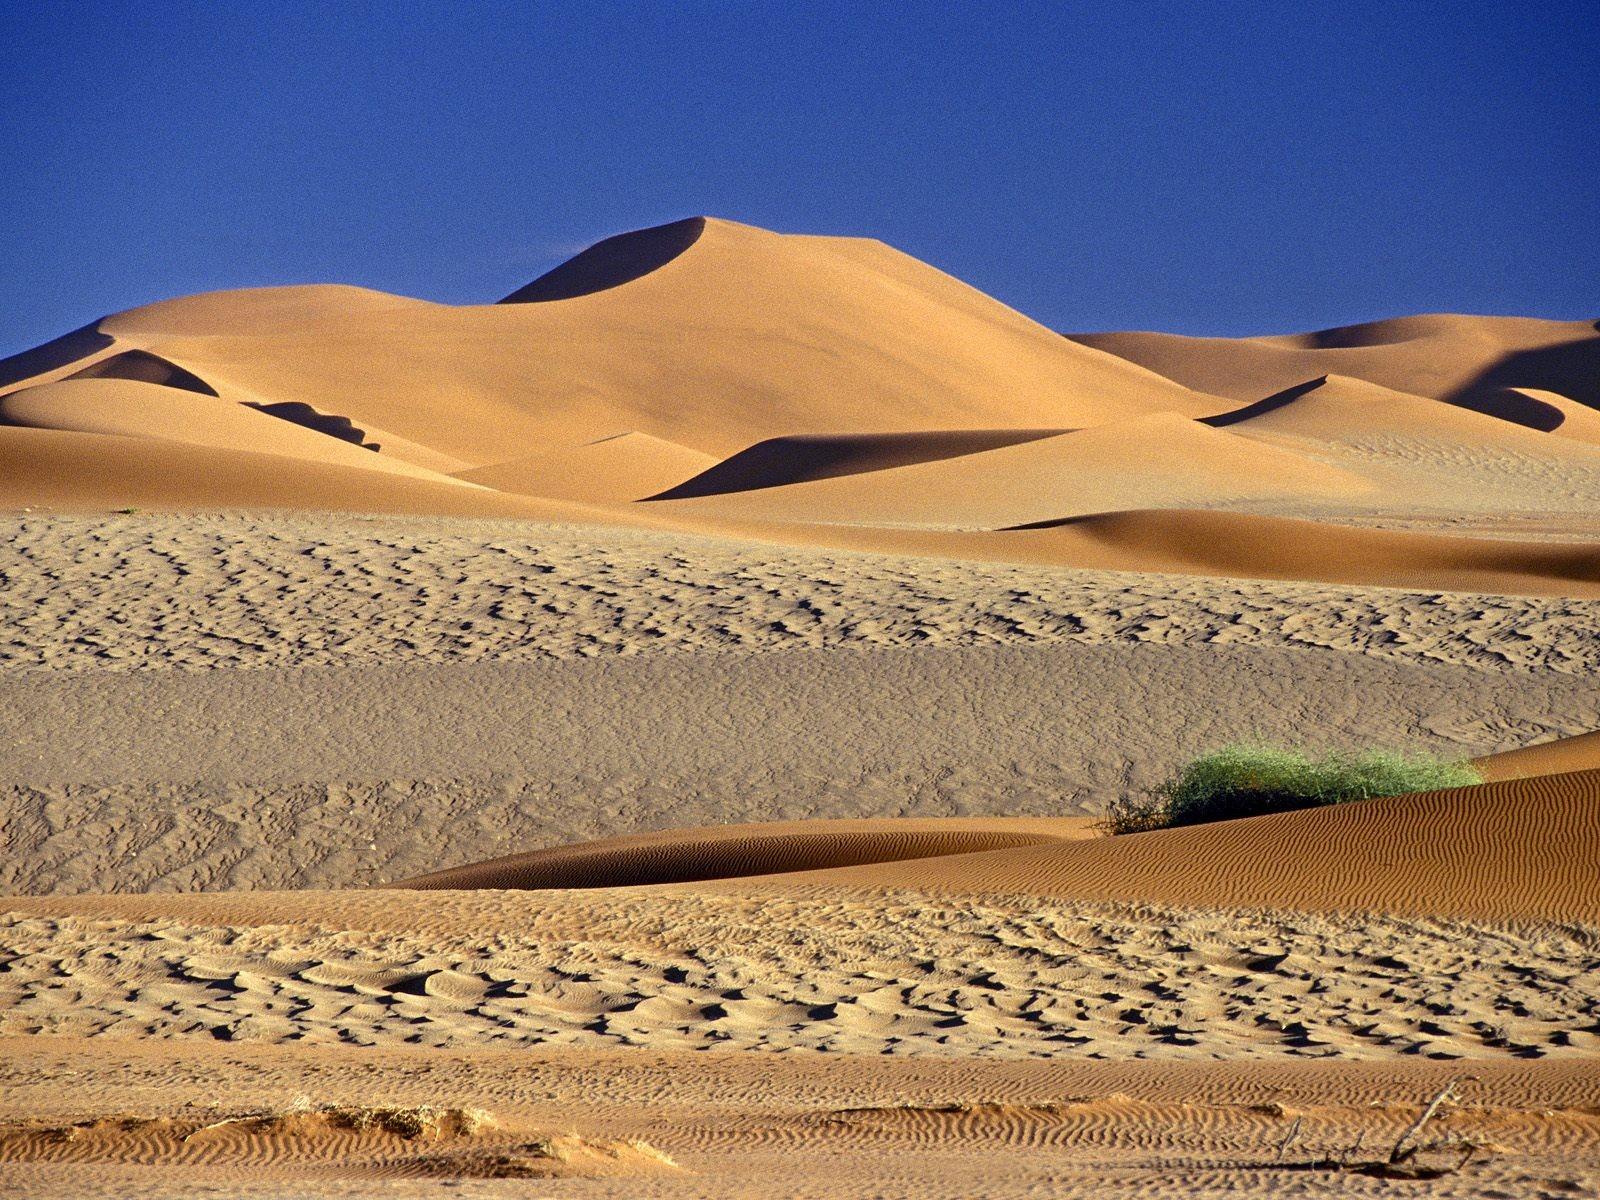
x,y
1341,408
76,471
805,458
141,366
1537,409
1159,460
121,406
1395,331
1518,849
1251,545
1580,752
735,851
1442,356
612,262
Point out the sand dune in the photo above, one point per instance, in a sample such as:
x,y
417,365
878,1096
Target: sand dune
x,y
51,468
724,851
121,406
832,391
1542,410
742,336
804,459
1462,359
1247,545
1525,847
1520,848
1337,408
1563,755
1162,460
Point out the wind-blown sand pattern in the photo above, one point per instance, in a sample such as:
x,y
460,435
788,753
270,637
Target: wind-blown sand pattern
x,y
647,737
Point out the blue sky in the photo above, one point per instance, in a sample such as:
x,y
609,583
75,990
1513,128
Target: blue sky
x,y
1222,168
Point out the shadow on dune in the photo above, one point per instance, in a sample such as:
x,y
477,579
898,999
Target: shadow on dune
x,y
1260,407
803,458
1571,369
307,417
144,367
1513,406
613,262
63,351
693,859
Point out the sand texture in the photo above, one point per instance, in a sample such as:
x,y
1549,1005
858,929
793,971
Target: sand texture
x,y
510,685
650,736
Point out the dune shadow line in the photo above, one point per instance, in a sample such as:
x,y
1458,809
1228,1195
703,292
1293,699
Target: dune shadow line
x,y
612,263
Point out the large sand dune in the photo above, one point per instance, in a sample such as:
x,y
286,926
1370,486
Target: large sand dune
x,y
709,376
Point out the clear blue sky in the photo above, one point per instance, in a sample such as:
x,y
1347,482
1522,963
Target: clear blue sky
x,y
1202,167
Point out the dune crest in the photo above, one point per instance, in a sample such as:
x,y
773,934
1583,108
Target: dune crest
x,y
1444,356
612,262
1519,848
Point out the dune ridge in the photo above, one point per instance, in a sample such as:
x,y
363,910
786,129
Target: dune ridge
x,y
707,376
1445,356
720,852
1517,848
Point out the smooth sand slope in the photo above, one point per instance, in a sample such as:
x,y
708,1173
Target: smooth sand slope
x,y
1560,756
610,470
731,851
1516,849
1522,848
55,469
1186,464
163,413
1465,360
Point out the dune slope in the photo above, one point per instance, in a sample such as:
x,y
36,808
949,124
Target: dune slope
x,y
725,851
1463,359
1525,849
1161,460
740,336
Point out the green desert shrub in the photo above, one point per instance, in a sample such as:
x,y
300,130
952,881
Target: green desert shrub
x,y
1247,781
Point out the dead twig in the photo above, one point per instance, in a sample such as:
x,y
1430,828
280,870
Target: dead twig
x,y
1406,1145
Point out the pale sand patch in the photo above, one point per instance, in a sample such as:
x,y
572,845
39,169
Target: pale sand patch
x,y
810,1125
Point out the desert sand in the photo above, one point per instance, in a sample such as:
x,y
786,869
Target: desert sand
x,y
648,736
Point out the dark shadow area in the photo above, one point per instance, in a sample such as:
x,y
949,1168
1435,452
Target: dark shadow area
x,y
691,861
803,458
1571,369
1277,400
613,262
64,350
144,367
309,418
1053,522
1513,406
